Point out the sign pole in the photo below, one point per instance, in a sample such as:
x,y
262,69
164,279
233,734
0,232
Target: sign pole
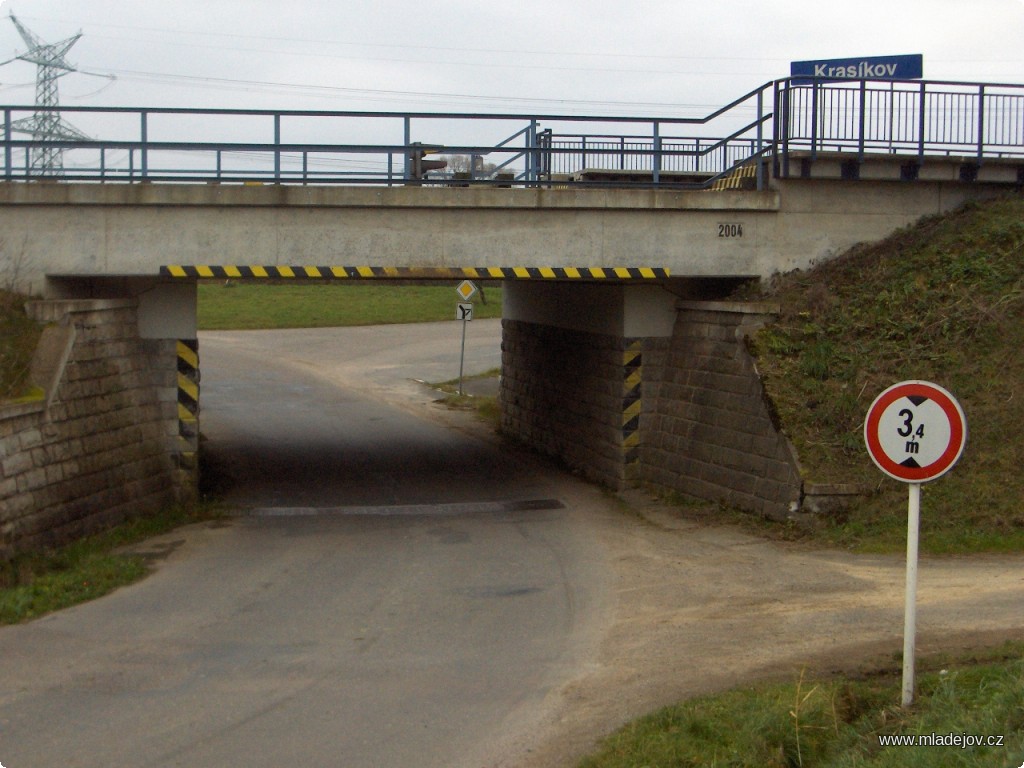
x,y
463,312
462,355
915,431
910,605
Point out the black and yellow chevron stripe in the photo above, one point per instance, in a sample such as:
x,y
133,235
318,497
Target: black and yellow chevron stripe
x,y
632,382
418,273
188,399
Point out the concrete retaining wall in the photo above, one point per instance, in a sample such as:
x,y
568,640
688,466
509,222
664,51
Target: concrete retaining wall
x,y
685,414
712,434
104,444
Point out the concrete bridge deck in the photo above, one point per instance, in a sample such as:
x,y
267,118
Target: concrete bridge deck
x,y
96,231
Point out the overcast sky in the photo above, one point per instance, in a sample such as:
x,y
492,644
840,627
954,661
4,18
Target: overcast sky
x,y
646,57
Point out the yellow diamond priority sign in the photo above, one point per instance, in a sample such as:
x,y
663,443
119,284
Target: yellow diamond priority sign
x,y
466,289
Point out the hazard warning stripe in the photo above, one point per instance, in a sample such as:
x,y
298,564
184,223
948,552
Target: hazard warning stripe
x,y
632,381
233,272
188,398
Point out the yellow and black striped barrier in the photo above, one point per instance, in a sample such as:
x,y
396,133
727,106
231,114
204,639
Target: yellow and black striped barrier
x,y
188,400
632,382
743,177
415,273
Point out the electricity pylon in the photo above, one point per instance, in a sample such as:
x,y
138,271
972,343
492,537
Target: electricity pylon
x,y
46,125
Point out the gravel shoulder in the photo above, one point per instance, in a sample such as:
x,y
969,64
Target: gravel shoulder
x,y
699,608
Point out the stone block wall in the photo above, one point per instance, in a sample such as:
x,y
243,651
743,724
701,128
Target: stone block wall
x,y
712,434
104,444
566,393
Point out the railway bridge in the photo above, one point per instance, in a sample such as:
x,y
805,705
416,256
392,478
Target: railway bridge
x,y
618,241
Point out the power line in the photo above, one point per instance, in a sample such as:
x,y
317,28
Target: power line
x,y
375,93
603,54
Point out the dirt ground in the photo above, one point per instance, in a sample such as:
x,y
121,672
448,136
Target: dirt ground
x,y
700,608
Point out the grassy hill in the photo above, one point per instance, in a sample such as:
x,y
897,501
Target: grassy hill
x,y
18,339
943,301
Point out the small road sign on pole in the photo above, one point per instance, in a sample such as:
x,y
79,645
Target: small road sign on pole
x,y
466,290
464,312
915,431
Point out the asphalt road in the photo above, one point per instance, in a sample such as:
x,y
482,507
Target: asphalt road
x,y
400,593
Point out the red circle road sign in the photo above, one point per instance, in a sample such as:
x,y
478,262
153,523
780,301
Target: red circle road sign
x,y
915,431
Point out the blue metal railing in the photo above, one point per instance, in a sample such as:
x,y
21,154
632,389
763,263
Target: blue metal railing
x,y
912,118
307,147
772,122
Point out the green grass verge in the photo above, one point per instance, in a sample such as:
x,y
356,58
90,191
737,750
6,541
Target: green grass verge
x,y
36,583
235,306
486,407
942,301
19,337
835,723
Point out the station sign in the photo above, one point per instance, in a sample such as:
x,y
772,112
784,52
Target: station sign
x,y
903,67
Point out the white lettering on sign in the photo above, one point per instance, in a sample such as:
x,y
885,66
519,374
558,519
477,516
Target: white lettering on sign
x,y
861,71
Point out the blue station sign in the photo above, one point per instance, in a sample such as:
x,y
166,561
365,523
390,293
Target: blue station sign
x,y
907,67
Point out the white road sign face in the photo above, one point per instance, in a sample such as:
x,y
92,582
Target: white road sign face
x,y
915,431
466,289
464,311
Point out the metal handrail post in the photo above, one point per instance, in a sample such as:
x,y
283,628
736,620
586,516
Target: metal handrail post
x,y
782,131
532,158
144,161
8,157
656,170
863,119
981,122
816,93
406,169
277,147
760,140
921,125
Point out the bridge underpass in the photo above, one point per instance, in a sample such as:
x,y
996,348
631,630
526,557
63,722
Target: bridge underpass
x,y
619,359
620,364
567,373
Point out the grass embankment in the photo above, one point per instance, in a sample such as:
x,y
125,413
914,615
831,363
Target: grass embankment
x,y
241,306
36,583
18,339
837,723
942,301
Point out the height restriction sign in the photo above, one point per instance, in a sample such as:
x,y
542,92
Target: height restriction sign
x,y
915,431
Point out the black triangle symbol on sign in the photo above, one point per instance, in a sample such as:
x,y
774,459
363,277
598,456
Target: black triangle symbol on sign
x,y
910,462
916,399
